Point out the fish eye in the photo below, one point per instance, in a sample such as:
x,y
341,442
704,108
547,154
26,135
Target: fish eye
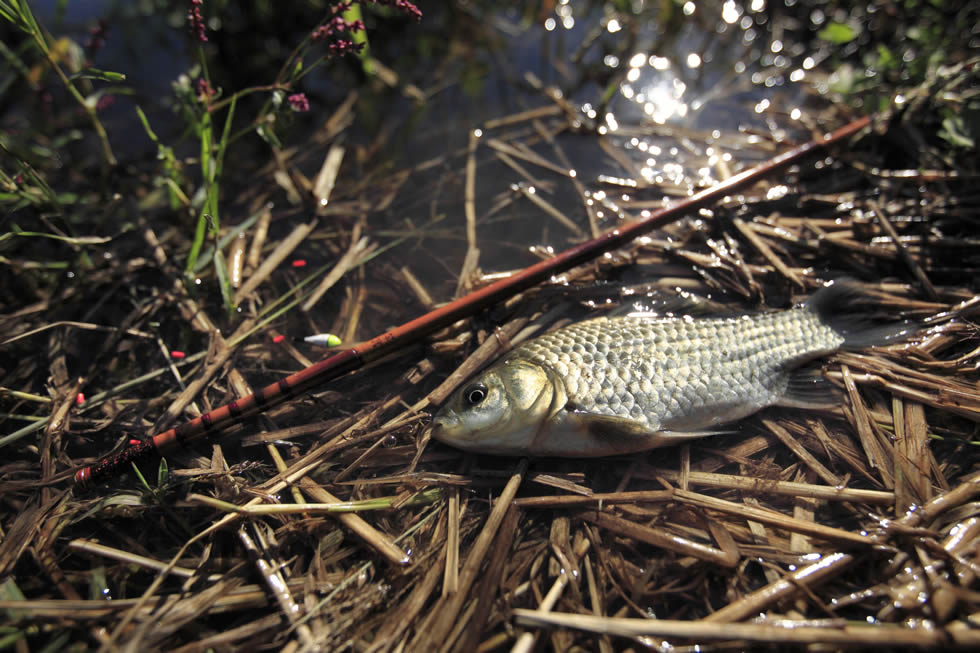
x,y
475,394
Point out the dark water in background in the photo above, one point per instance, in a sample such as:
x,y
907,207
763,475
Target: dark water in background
x,y
677,95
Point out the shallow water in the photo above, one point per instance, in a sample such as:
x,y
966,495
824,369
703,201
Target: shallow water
x,y
666,101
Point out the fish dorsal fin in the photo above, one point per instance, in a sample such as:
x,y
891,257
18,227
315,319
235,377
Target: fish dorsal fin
x,y
856,315
662,303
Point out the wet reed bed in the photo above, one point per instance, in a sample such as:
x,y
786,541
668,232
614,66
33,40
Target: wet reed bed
x,y
332,522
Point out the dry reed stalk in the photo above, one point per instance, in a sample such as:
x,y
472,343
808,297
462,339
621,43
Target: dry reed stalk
x,y
52,526
243,389
626,163
157,625
490,348
767,487
862,423
534,182
610,498
766,251
840,448
903,252
527,155
541,203
269,571
243,597
229,637
449,608
352,317
568,573
661,539
549,137
374,538
340,438
274,259
296,473
828,566
254,258
219,356
967,490
940,392
546,111
450,579
565,484
425,299
93,547
360,247
471,629
397,623
804,510
958,636
783,435
380,435
770,517
471,260
326,178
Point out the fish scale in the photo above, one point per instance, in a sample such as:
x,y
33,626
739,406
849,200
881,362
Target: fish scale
x,y
662,371
628,383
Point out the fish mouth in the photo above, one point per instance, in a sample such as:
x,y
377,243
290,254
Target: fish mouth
x,y
446,426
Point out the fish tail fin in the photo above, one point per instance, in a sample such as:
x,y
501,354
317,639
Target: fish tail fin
x,y
856,316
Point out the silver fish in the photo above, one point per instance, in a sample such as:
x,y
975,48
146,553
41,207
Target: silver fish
x,y
613,385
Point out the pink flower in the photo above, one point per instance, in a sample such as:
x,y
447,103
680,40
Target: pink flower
x,y
96,37
204,90
338,31
404,6
105,102
341,47
196,20
298,102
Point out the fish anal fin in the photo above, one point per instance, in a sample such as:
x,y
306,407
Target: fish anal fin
x,y
807,388
674,437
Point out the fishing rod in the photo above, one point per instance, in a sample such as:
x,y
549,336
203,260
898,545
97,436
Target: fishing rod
x,y
351,359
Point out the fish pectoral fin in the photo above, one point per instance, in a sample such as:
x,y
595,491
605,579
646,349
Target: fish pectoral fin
x,y
609,425
625,434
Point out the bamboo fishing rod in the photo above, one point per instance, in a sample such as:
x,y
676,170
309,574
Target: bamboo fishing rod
x,y
351,359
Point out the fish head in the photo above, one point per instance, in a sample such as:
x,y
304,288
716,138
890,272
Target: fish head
x,y
502,409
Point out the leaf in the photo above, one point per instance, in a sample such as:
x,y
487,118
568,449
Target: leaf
x,y
98,586
224,281
142,480
74,240
843,80
163,473
268,135
886,60
955,133
95,73
838,33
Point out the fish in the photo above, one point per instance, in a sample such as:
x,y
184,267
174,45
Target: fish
x,y
624,384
